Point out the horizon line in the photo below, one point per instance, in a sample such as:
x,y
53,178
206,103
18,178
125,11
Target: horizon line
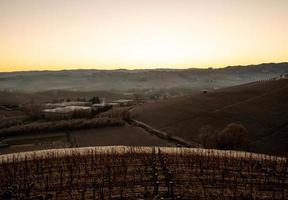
x,y
143,69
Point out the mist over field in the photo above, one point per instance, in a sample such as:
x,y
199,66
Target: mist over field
x,y
143,100
137,80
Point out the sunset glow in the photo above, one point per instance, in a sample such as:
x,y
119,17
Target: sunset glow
x,y
109,34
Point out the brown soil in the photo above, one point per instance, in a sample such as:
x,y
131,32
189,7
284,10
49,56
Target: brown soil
x,y
111,136
125,135
261,107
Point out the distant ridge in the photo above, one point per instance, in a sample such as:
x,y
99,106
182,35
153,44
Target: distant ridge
x,y
154,69
137,80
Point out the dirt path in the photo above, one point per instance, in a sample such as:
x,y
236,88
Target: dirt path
x,y
174,139
178,141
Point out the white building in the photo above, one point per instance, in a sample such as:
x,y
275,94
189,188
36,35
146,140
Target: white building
x,y
67,109
68,103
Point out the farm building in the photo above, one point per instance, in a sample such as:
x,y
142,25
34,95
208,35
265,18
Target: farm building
x,y
65,104
68,111
123,102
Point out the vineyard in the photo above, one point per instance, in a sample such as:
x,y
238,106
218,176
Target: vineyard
x,y
142,173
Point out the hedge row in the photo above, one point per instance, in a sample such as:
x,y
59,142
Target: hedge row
x,y
63,125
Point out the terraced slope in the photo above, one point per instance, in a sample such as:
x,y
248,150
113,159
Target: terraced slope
x,y
142,173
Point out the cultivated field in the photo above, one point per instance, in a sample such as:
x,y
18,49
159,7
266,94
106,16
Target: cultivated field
x,y
33,142
261,107
142,173
124,135
109,136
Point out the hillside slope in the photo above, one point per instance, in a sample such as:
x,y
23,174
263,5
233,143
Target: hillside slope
x,y
262,107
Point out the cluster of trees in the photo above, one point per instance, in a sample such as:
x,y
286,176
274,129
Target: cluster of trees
x,y
232,136
94,99
63,125
101,109
5,123
122,113
36,121
34,111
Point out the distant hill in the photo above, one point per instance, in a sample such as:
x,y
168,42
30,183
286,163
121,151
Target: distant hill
x,y
15,98
262,107
129,80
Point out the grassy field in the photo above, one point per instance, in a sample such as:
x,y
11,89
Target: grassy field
x,y
262,107
142,173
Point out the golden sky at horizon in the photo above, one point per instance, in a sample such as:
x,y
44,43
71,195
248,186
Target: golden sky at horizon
x,y
110,34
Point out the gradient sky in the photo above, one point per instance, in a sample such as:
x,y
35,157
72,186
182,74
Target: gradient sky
x,y
109,34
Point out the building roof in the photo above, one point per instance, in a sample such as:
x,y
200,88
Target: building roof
x,y
70,103
67,109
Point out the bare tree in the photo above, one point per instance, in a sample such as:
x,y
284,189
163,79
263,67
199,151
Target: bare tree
x,y
206,135
34,111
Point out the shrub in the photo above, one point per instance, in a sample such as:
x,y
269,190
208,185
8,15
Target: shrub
x,y
205,136
6,123
232,136
122,113
94,100
96,111
34,111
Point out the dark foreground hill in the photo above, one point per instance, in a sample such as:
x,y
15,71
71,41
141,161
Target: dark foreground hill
x,y
126,173
135,80
262,107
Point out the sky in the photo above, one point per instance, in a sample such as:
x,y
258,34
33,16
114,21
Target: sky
x,y
132,34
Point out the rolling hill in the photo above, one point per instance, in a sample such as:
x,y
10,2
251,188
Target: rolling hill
x,y
127,80
262,107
